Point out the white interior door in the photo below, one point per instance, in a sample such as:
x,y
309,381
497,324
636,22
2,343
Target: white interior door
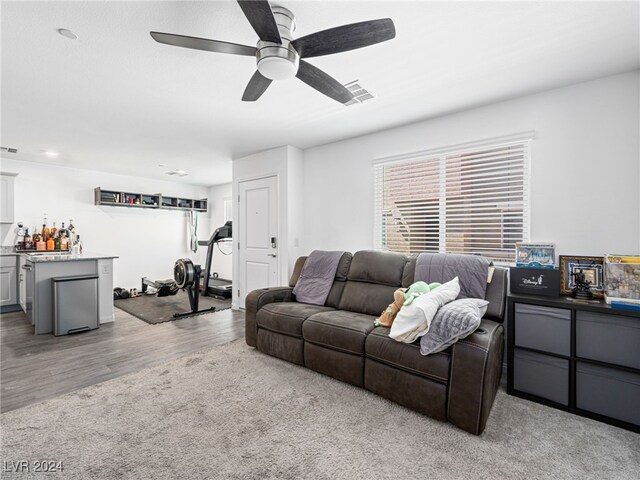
x,y
258,235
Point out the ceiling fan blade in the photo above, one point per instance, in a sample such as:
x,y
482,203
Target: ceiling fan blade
x,y
345,38
203,44
260,16
316,78
256,87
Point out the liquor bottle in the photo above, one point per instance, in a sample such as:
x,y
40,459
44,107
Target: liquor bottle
x,y
56,243
64,231
45,226
28,245
72,232
43,232
64,241
54,230
41,244
51,244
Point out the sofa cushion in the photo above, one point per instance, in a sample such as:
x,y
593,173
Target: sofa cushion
x,y
287,317
384,268
409,272
341,277
339,330
406,356
367,298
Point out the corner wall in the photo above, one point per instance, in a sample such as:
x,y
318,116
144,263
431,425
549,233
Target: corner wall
x,y
147,242
585,168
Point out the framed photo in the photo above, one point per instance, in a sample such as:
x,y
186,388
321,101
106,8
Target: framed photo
x,y
593,269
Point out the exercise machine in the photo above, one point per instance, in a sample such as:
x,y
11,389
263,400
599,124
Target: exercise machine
x,y
213,285
187,275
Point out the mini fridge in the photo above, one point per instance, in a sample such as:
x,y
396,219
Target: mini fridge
x,y
75,304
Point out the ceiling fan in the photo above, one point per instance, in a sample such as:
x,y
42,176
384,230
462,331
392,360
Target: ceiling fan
x,y
279,56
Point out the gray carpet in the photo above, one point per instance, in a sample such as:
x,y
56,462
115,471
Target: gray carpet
x,y
153,309
233,412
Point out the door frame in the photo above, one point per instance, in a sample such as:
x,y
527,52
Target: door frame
x,y
237,302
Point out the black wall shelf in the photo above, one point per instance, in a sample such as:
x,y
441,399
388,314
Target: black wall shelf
x,y
116,198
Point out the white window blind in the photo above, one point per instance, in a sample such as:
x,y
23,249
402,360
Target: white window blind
x,y
473,200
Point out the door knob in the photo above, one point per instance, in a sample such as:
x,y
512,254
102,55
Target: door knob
x,y
272,255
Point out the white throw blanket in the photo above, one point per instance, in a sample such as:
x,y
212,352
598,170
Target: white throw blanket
x,y
414,320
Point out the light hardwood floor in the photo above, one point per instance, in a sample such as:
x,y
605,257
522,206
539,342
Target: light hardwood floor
x,y
37,367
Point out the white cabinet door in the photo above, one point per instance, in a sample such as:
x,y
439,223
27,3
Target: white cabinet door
x,y
7,198
8,293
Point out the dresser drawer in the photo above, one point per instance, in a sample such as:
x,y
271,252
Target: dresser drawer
x,y
541,375
607,391
608,338
543,328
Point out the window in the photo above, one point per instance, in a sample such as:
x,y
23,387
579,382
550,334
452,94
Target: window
x,y
466,200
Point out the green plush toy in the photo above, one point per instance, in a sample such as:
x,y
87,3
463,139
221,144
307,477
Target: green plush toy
x,y
417,289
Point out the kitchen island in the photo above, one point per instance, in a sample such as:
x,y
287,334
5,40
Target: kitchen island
x,y
41,268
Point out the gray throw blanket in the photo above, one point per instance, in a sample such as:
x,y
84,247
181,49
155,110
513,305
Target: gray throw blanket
x,y
316,277
471,270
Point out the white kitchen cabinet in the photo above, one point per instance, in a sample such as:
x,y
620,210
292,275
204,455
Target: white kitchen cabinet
x,y
8,281
7,194
23,297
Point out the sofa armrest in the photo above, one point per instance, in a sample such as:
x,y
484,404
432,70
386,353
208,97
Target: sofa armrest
x,y
255,300
476,366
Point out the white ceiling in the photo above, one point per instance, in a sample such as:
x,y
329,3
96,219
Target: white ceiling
x,y
114,100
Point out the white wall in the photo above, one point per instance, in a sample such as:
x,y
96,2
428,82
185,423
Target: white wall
x,y
147,242
585,167
223,264
295,207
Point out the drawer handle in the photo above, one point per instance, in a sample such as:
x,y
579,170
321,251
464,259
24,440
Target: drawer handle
x,y
27,267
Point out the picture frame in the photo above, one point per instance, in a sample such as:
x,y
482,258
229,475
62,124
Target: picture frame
x,y
593,268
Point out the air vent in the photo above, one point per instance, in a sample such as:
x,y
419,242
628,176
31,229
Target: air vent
x,y
8,150
178,173
360,94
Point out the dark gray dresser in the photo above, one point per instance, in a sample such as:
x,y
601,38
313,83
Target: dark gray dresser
x,y
580,357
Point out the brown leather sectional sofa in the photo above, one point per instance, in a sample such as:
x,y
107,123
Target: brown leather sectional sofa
x,y
340,340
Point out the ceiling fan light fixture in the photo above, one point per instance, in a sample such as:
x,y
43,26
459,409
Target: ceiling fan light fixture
x,y
278,68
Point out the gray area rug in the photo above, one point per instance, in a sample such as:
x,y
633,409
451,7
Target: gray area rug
x,y
233,412
154,309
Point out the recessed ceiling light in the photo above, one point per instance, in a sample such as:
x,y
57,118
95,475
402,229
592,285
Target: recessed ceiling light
x,y
161,165
67,33
50,153
177,172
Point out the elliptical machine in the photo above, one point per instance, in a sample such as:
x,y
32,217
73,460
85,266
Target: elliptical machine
x,y
187,275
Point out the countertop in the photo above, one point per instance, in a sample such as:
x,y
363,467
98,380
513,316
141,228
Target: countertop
x,y
6,251
65,257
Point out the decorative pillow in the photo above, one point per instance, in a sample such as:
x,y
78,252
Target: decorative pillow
x,y
453,321
413,320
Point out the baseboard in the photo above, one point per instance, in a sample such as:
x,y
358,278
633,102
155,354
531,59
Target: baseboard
x,y
10,308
